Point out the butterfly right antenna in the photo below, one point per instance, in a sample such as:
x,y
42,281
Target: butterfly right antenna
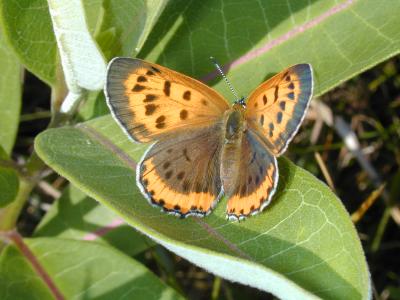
x,y
238,100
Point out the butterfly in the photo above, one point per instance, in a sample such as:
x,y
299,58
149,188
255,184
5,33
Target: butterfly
x,y
202,147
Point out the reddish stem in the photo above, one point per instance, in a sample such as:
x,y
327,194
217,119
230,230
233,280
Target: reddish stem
x,y
24,249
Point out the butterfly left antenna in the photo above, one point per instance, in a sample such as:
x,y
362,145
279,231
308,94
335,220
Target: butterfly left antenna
x,y
238,100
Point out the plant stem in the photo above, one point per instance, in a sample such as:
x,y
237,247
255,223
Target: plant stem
x,y
35,116
216,288
381,229
18,241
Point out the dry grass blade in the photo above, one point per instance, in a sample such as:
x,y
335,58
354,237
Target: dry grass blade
x,y
359,213
324,170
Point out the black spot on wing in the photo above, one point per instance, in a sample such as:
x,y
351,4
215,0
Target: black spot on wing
x,y
149,98
271,129
183,114
168,174
276,93
265,100
167,88
180,175
150,108
141,78
155,69
150,73
138,88
160,122
186,95
279,116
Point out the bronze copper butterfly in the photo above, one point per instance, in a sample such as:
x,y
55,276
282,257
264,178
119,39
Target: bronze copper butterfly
x,y
202,147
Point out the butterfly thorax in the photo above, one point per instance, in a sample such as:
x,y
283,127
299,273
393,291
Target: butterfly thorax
x,y
235,125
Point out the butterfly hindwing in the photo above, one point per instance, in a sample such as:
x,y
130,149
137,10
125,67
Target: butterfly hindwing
x,y
181,174
150,101
257,180
277,107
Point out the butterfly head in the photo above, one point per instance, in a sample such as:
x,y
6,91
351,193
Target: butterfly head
x,y
241,101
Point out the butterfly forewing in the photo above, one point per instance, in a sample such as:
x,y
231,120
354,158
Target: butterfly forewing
x,y
151,101
181,175
257,179
277,107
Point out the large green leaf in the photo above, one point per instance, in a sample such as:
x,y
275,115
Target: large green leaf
x,y
126,25
28,29
256,38
10,95
304,245
80,270
76,216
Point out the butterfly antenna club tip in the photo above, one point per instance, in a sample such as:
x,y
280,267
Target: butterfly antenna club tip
x,y
214,61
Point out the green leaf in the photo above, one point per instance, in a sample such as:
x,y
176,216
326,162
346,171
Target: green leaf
x,y
94,106
80,270
304,245
28,29
9,184
76,216
126,25
3,154
94,14
9,181
257,38
10,95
